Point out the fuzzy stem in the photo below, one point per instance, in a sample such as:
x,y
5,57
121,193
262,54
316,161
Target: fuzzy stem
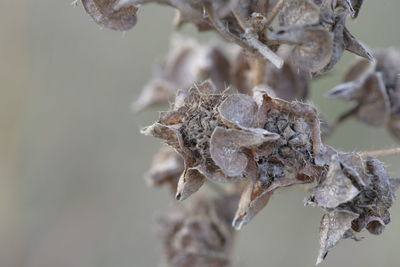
x,y
381,153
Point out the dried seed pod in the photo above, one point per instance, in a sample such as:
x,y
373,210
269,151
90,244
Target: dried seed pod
x,y
117,15
374,87
199,234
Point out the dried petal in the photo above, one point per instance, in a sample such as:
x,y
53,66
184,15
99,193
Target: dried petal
x,y
238,110
226,145
336,189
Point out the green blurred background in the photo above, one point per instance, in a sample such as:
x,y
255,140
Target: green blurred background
x,y
72,159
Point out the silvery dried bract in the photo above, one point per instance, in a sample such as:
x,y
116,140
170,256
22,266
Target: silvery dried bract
x,y
317,34
200,234
374,87
356,195
166,168
117,15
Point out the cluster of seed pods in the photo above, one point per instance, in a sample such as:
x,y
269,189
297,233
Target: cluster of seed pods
x,y
266,143
240,119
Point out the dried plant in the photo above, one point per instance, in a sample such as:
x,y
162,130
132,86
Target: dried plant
x,y
240,121
374,87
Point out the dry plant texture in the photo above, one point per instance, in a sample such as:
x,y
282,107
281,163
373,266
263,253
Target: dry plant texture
x,y
240,121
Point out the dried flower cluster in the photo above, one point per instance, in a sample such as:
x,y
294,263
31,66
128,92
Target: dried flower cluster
x,y
271,143
240,120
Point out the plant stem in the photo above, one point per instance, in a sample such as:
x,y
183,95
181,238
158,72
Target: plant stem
x,y
381,153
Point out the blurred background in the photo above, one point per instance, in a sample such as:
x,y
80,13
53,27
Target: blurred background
x,y
72,159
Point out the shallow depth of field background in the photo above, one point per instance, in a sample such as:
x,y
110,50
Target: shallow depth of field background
x,y
72,159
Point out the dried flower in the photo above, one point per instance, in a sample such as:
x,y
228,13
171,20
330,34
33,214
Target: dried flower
x,y
374,87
